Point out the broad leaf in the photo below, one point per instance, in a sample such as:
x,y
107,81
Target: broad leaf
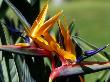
x,y
18,13
13,71
4,71
11,66
23,71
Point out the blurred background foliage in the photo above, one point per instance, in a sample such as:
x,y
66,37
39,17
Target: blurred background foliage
x,y
91,18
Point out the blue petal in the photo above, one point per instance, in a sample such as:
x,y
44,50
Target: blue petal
x,y
11,27
26,38
90,53
79,59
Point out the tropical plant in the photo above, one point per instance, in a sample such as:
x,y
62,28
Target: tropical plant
x,y
38,54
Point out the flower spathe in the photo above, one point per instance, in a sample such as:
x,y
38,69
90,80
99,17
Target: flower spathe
x,y
78,69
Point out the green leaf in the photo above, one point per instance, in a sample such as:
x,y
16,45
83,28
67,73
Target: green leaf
x,y
47,62
13,71
107,77
19,14
71,28
10,63
23,71
10,68
102,76
4,70
1,2
6,34
16,67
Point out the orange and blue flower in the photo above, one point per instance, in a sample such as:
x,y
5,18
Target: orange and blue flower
x,y
40,42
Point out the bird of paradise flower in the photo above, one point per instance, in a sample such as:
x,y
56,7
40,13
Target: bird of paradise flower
x,y
42,43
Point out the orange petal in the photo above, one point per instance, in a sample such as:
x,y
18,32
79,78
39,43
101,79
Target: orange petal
x,y
53,36
48,37
62,28
67,38
65,35
47,25
42,40
70,46
54,46
68,41
42,43
63,32
66,55
22,44
39,21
